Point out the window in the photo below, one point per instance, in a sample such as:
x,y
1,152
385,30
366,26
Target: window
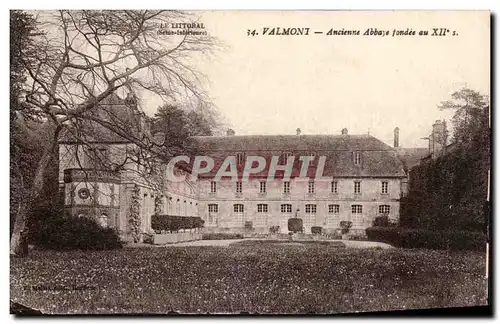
x,y
238,208
334,187
213,187
90,159
286,208
240,158
310,187
357,209
262,208
286,187
311,209
262,187
333,209
385,187
213,208
356,157
384,209
239,187
357,187
103,157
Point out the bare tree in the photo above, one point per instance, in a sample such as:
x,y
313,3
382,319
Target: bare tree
x,y
85,56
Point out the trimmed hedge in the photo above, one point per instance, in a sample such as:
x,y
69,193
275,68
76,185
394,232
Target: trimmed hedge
x,y
221,236
295,225
175,223
413,238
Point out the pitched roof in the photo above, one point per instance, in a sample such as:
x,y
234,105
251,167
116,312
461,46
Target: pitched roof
x,y
377,158
292,143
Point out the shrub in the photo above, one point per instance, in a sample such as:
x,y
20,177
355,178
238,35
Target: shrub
x,y
381,221
295,225
221,236
198,222
345,226
274,229
73,233
174,223
416,238
316,229
148,238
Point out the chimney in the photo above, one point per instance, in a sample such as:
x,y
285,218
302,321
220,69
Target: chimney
x,y
344,131
230,132
438,138
298,131
396,137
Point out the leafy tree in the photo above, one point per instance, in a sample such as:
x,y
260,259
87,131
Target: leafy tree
x,y
174,127
27,130
471,120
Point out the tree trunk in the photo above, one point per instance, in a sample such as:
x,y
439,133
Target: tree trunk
x,y
20,233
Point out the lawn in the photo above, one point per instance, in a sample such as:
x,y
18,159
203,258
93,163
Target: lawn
x,y
249,277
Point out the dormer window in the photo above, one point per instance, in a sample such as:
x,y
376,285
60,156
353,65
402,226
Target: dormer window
x,y
310,187
356,157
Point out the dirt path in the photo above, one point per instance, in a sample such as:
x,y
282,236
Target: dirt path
x,y
348,244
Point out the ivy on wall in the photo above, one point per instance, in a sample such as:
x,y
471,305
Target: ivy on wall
x,y
158,205
134,219
448,193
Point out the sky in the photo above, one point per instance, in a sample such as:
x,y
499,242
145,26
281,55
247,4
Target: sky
x,y
321,84
269,84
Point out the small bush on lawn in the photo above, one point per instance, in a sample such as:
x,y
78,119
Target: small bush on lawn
x,y
295,225
316,229
221,236
418,238
274,229
171,224
148,238
76,234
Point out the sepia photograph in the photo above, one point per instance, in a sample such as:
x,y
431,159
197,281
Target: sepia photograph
x,y
243,162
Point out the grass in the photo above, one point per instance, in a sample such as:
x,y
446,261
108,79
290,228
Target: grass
x,y
250,277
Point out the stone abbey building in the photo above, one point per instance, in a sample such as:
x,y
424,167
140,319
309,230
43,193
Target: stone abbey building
x,y
362,179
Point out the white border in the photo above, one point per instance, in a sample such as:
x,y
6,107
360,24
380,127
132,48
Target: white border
x,y
492,5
